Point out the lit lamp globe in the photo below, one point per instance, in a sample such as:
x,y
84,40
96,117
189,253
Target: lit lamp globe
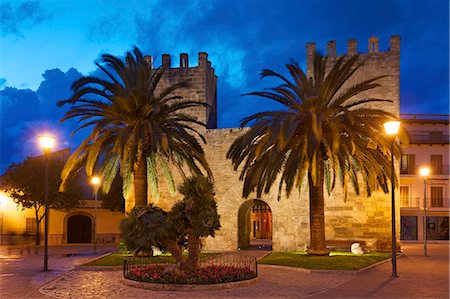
x,y
95,180
46,143
424,171
392,127
3,199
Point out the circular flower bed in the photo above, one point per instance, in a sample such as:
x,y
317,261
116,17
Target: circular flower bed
x,y
203,275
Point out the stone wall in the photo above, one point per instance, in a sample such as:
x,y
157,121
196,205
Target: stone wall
x,y
356,218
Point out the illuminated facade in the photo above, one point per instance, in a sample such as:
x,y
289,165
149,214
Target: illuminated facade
x,y
428,146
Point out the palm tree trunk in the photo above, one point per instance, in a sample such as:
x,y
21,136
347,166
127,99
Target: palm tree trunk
x,y
317,215
194,251
175,250
140,182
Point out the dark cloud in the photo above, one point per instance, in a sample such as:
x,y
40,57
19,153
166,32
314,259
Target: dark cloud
x,y
55,87
243,37
25,113
15,18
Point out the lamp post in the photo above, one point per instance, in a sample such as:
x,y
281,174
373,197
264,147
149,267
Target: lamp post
x,y
46,143
95,181
3,200
391,128
424,172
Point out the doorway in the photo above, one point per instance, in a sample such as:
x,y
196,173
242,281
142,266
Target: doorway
x,y
79,229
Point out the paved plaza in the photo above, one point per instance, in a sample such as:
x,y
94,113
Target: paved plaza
x,y
21,276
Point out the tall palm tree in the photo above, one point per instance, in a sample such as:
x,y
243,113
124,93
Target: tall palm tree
x,y
324,132
137,124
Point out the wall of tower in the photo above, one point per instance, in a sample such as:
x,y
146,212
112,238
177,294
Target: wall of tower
x,y
375,63
202,85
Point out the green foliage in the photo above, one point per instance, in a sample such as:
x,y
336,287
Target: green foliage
x,y
322,120
195,216
333,262
114,199
24,182
132,118
116,259
145,227
197,212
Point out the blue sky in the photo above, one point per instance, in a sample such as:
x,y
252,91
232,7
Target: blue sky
x,y
46,45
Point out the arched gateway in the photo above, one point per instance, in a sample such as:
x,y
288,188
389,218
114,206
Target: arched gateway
x,y
255,225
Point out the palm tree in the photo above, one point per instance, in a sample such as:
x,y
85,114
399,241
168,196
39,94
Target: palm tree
x,y
135,128
324,132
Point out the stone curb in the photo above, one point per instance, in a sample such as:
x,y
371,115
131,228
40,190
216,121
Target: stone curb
x,y
42,288
95,268
376,264
190,287
318,271
99,268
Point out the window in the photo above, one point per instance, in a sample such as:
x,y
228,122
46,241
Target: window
x,y
408,164
404,196
437,228
408,228
436,164
404,164
30,227
437,197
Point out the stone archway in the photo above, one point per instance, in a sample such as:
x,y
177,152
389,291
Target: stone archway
x,y
255,225
79,229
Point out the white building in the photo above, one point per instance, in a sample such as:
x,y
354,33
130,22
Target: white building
x,y
428,147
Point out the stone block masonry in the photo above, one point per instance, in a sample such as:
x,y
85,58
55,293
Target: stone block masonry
x,y
356,218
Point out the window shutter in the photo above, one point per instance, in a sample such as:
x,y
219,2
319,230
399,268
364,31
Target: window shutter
x,y
411,164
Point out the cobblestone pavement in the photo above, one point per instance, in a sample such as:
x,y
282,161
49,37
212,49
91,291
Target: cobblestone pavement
x,y
21,267
420,277
273,283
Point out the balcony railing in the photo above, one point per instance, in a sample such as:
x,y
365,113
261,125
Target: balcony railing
x,y
425,117
443,170
429,139
431,203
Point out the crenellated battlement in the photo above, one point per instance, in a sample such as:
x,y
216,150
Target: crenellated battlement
x,y
352,47
166,61
375,63
202,84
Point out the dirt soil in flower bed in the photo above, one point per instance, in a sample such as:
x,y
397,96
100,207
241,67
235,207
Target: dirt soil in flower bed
x,y
203,275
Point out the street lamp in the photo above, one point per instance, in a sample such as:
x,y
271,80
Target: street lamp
x,y
424,172
95,181
46,143
391,128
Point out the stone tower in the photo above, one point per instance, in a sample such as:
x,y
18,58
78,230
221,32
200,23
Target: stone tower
x,y
376,63
202,87
202,82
